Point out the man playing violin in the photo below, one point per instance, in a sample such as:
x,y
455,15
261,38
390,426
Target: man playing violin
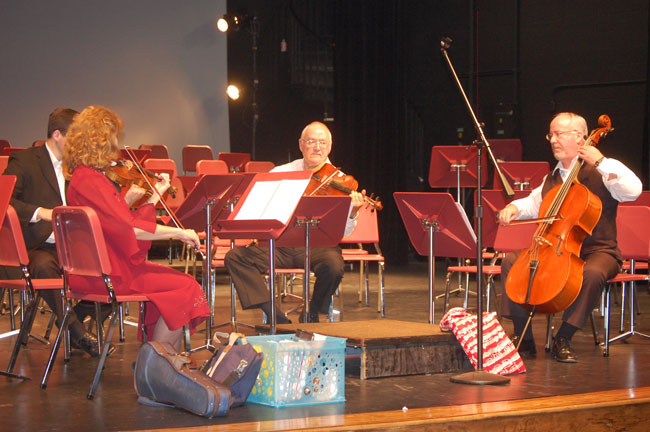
x,y
40,187
247,264
612,182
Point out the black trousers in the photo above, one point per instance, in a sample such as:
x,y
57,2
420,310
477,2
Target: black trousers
x,y
247,264
599,267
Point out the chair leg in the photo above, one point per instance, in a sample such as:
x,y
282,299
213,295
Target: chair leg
x,y
607,297
23,336
549,332
381,307
623,292
55,347
366,281
12,317
594,331
102,358
445,305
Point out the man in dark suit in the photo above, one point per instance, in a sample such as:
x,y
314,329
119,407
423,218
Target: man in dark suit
x,y
40,187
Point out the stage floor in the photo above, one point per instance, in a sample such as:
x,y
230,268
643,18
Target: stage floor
x,y
400,402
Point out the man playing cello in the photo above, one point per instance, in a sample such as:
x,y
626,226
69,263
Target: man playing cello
x,y
612,182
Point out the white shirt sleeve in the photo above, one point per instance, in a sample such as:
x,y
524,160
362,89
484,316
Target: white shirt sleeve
x,y
619,180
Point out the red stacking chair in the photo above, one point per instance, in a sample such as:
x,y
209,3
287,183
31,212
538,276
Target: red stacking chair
x,y
158,151
4,143
366,233
258,166
4,161
82,251
211,167
194,153
14,253
633,236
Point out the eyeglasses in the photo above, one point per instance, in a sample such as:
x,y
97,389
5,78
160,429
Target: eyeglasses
x,y
312,142
549,135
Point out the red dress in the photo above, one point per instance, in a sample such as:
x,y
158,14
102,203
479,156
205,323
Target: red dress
x,y
174,295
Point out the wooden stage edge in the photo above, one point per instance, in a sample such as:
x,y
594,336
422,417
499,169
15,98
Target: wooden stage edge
x,y
626,409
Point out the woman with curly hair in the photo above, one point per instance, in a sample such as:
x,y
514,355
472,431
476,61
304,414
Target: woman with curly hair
x,y
176,298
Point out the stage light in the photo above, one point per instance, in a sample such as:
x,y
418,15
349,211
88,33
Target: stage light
x,y
233,92
229,22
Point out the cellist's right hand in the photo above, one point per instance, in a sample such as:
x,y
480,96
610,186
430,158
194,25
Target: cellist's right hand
x,y
507,214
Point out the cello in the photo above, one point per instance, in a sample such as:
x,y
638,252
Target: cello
x,y
547,276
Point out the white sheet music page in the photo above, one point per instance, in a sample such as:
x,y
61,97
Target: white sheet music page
x,y
466,220
272,200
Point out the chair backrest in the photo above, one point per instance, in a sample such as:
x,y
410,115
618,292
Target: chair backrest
x,y
4,161
162,166
158,151
258,166
38,143
80,241
12,245
7,151
211,167
367,230
642,200
194,153
633,232
4,143
235,161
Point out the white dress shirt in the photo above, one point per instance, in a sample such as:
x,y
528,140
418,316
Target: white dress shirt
x,y
58,170
624,186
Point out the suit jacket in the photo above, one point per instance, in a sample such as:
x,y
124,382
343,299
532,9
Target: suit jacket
x,y
36,186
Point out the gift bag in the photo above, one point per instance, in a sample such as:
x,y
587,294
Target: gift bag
x,y
499,354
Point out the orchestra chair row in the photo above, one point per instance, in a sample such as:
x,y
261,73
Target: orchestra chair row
x,y
221,167
82,251
13,253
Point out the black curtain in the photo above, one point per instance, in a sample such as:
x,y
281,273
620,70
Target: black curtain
x,y
370,119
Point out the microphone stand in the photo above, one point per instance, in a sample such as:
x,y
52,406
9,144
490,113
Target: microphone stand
x,y
479,376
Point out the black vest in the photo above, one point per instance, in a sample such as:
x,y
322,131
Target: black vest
x,y
603,237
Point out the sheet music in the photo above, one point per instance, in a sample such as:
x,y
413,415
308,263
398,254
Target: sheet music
x,y
461,210
272,200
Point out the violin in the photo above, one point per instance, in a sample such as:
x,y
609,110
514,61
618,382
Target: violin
x,y
125,174
547,276
329,180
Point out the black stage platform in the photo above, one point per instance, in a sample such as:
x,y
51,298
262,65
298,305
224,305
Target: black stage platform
x,y
551,388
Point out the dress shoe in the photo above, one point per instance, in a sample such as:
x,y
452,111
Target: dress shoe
x,y
527,347
562,351
89,343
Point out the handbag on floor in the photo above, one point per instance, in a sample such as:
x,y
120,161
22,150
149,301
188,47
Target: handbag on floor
x,y
236,366
162,378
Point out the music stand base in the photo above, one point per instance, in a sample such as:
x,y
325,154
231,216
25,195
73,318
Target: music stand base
x,y
479,378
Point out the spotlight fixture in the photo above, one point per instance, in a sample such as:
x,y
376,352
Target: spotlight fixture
x,y
232,91
229,22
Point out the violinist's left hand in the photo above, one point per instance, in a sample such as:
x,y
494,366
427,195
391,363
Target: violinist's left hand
x,y
161,186
134,194
358,200
589,154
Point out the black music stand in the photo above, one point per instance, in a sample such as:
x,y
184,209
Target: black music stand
x,y
319,221
196,212
524,175
507,149
263,213
437,226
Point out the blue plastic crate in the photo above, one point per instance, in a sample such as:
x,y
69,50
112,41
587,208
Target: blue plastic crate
x,y
298,372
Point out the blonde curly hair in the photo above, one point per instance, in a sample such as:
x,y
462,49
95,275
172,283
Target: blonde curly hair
x,y
92,139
